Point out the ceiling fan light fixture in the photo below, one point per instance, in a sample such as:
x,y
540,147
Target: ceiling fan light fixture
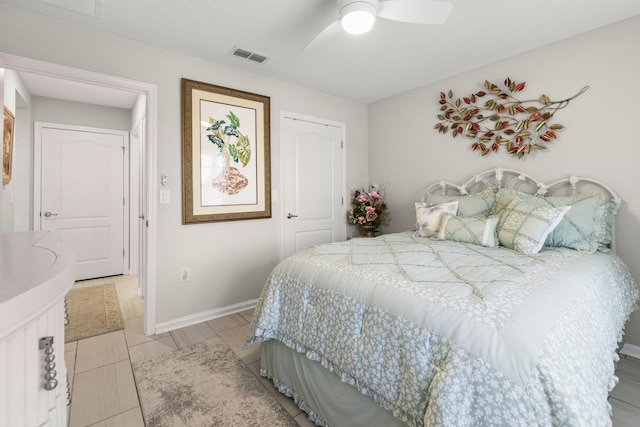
x,y
358,17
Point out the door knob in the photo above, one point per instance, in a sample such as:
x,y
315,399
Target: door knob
x,y
48,214
290,215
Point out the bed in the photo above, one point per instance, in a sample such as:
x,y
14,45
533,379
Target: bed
x,y
505,305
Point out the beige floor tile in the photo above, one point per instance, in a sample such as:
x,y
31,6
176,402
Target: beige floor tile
x,y
134,332
72,345
131,307
629,368
235,339
70,363
151,349
193,334
128,285
131,418
227,322
303,420
286,402
626,391
102,393
247,314
624,414
101,350
88,283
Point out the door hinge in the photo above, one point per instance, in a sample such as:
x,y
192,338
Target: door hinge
x,y
123,252
123,150
342,201
342,144
124,201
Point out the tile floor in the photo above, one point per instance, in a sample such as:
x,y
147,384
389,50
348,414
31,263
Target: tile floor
x,y
625,397
104,392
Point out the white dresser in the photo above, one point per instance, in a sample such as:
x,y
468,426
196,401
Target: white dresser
x,y
35,275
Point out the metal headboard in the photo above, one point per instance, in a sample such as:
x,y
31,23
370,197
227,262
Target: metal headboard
x,y
516,180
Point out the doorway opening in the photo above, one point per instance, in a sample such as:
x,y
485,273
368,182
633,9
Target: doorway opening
x,y
103,87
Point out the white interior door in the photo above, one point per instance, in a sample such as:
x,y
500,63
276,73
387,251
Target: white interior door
x,y
82,194
313,177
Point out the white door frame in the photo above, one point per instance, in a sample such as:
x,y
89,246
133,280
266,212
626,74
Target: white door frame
x,y
149,90
284,115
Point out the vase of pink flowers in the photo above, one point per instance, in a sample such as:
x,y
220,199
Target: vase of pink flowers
x,y
368,209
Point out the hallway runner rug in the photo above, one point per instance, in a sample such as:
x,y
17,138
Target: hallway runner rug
x,y
94,310
205,385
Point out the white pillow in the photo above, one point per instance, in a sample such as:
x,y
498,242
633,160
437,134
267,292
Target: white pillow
x,y
428,217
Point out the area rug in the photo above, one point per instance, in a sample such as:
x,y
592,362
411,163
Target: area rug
x,y
205,385
92,311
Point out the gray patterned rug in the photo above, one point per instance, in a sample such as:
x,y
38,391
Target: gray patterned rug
x,y
205,385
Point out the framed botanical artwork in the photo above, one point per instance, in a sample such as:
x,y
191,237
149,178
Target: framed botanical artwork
x,y
226,166
7,145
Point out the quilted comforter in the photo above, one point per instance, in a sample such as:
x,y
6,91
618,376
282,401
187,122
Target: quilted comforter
x,y
444,333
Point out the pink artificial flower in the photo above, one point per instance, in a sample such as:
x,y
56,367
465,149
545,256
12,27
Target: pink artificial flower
x,y
363,198
375,195
371,216
361,220
369,209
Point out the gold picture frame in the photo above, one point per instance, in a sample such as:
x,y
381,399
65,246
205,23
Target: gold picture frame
x,y
7,145
226,166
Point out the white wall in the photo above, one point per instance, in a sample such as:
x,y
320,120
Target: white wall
x,y
598,141
15,205
228,261
79,114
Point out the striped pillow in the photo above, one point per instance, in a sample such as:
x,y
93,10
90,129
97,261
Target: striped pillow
x,y
478,231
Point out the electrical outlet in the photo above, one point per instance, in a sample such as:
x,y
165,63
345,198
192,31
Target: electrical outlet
x,y
184,274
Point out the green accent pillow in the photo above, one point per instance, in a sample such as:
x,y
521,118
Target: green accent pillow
x,y
479,231
603,225
476,204
580,229
524,226
428,217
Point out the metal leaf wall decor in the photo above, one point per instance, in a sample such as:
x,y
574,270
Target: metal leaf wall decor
x,y
502,120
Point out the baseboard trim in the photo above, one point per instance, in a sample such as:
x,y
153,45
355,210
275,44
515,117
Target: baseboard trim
x,y
203,316
631,350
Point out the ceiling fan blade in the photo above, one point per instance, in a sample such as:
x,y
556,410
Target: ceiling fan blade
x,y
415,11
329,32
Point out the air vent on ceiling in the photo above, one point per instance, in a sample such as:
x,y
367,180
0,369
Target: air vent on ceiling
x,y
246,54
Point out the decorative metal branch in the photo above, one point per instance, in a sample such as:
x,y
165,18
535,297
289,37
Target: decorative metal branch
x,y
521,126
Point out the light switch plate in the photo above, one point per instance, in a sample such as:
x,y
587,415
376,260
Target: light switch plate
x,y
164,197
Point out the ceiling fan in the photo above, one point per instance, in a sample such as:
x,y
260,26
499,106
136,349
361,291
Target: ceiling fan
x,y
358,16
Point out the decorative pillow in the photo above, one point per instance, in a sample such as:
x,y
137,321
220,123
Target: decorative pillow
x,y
476,204
525,226
504,196
603,225
428,217
479,231
577,230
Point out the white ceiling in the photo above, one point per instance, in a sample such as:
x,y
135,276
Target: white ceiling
x,y
392,58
